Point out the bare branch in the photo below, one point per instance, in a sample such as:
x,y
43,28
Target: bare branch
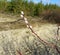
x,y
44,42
19,52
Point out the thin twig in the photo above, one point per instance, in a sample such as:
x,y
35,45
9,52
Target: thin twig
x,y
15,21
19,52
30,27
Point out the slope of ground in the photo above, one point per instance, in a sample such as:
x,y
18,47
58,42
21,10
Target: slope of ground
x,y
12,36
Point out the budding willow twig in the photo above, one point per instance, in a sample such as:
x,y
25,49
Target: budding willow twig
x,y
30,27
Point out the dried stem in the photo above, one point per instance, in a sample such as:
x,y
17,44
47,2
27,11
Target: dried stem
x,y
19,52
44,42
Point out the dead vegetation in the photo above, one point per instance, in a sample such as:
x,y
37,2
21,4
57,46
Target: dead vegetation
x,y
11,43
52,16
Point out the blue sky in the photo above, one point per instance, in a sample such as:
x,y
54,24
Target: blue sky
x,y
48,1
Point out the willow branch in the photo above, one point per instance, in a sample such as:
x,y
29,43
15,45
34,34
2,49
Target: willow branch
x,y
19,52
30,27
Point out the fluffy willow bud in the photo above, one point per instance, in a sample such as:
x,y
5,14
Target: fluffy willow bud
x,y
27,26
30,26
26,21
22,12
21,16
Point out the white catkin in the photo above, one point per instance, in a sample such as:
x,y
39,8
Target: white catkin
x,y
22,12
22,16
30,26
26,22
25,19
27,26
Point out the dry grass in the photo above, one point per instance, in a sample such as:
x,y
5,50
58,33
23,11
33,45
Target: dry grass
x,y
11,35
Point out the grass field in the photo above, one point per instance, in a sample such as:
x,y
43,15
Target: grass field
x,y
12,35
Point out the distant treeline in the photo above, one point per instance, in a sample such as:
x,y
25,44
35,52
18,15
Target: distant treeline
x,y
30,8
